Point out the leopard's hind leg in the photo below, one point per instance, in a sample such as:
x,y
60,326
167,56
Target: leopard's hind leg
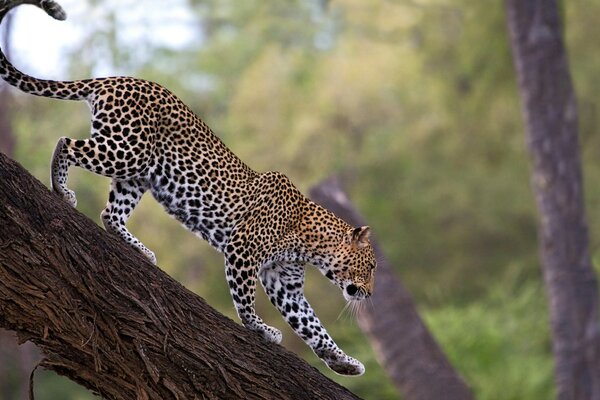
x,y
59,171
104,156
110,156
123,197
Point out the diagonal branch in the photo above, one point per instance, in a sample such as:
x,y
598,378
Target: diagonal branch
x,y
106,318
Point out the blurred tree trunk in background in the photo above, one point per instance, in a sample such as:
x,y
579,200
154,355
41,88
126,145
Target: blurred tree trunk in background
x,y
16,362
7,138
550,111
404,346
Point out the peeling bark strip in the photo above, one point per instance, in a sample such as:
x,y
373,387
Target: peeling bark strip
x,y
550,109
406,349
106,318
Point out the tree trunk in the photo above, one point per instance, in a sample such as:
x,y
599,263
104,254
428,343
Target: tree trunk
x,y
7,137
550,111
404,346
16,363
103,316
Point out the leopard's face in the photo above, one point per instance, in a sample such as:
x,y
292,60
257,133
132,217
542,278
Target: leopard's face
x,y
354,264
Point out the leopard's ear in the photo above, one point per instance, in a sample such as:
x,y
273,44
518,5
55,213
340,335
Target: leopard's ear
x,y
360,236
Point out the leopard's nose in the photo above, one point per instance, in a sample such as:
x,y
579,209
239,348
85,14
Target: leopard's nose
x,y
351,289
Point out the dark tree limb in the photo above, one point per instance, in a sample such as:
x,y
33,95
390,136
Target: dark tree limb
x,y
550,110
106,318
404,346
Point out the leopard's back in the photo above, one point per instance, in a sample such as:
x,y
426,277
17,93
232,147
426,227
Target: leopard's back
x,y
188,169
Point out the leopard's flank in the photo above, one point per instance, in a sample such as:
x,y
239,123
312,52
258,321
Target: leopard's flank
x,y
146,139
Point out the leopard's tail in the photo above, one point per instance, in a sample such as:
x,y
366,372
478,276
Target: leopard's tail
x,y
69,90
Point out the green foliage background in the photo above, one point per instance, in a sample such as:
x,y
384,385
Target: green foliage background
x,y
413,103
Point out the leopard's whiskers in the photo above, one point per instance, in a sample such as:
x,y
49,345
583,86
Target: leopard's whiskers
x,y
343,310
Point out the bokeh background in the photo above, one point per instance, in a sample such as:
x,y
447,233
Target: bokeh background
x,y
413,103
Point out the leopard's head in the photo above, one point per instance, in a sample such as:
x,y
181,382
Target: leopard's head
x,y
353,264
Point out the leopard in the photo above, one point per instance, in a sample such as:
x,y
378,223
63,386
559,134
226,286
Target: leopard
x,y
144,139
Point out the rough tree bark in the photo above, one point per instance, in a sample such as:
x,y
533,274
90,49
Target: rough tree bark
x,y
106,318
404,346
550,110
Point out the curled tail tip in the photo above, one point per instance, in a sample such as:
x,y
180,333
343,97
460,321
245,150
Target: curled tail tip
x,y
53,9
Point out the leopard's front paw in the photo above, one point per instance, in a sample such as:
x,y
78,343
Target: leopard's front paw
x,y
150,255
69,196
272,335
256,324
343,364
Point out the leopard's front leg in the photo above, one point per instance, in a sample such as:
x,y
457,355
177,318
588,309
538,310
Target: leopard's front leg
x,y
242,285
284,284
